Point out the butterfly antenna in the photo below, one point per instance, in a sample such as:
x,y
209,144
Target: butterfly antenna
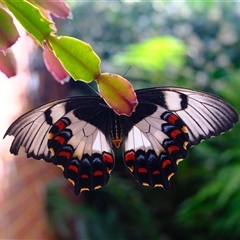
x,y
77,27
94,90
123,76
127,70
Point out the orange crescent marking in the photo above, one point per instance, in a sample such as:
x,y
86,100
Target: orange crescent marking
x,y
117,142
71,181
184,129
50,135
52,151
97,187
131,168
61,166
170,175
158,185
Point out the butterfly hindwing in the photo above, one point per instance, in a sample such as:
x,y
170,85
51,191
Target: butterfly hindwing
x,y
82,151
155,145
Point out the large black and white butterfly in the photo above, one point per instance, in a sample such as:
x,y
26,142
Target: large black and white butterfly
x,y
79,133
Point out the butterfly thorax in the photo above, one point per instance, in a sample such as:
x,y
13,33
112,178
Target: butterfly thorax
x,y
116,130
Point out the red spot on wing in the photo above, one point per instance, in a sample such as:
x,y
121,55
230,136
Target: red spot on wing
x,y
142,170
175,133
166,163
173,148
74,168
60,139
172,119
65,154
97,173
109,161
60,124
107,158
156,172
84,176
130,156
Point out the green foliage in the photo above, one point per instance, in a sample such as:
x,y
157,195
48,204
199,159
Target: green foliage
x,y
77,57
215,208
105,214
154,54
31,19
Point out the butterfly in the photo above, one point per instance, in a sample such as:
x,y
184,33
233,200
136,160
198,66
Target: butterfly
x,y
78,134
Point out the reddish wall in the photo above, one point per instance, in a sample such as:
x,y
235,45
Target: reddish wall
x,y
22,198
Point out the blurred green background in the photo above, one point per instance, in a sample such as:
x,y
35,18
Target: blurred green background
x,y
188,44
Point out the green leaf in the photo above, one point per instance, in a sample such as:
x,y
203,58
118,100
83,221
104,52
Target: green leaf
x,y
31,19
77,57
8,31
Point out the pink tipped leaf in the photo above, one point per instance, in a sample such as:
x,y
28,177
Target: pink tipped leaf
x,y
118,93
8,64
8,31
58,8
54,66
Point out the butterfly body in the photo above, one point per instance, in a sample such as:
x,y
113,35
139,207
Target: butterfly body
x,y
79,133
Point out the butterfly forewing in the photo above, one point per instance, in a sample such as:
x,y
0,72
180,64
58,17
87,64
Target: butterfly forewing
x,y
205,115
31,130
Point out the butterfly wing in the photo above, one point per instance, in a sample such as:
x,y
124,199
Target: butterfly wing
x,y
68,133
75,133
166,123
155,144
